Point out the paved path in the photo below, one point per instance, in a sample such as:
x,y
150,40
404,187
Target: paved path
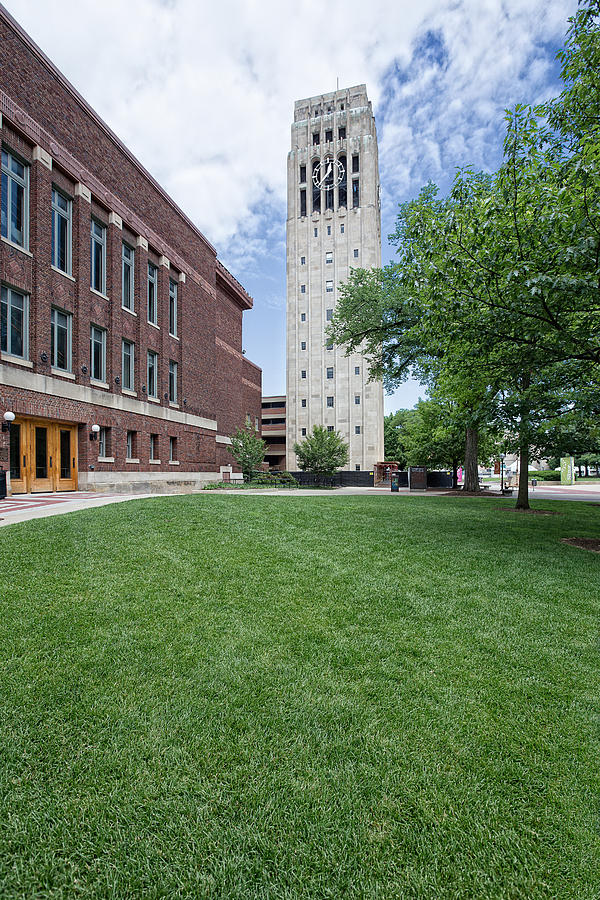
x,y
22,507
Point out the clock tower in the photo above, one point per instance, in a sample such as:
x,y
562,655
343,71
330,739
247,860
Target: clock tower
x,y
333,225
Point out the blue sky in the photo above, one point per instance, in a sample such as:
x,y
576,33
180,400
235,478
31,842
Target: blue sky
x,y
203,94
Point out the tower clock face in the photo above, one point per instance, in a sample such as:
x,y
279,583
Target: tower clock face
x,y
331,169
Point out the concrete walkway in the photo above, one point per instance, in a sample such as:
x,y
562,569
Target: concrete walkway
x,y
23,507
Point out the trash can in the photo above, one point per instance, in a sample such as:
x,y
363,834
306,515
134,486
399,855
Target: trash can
x,y
395,481
2,484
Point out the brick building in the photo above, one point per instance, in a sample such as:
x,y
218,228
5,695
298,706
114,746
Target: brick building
x,y
273,431
115,311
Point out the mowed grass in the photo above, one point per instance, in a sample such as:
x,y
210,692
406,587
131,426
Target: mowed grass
x,y
263,697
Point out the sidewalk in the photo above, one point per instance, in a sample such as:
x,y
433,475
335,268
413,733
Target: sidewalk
x,y
23,507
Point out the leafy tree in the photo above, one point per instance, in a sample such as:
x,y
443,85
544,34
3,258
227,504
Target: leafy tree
x,y
248,450
392,425
321,452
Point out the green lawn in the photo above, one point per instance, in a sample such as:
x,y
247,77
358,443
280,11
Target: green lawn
x,y
336,697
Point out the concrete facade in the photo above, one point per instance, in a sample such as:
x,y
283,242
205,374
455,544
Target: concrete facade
x,y
333,225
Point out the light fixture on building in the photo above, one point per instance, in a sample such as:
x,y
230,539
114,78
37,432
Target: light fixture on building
x,y
94,432
8,418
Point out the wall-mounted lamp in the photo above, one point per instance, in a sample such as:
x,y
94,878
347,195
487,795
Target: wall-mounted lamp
x,y
8,418
94,432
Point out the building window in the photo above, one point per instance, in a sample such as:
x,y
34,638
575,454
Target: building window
x,y
303,403
173,307
302,288
152,294
357,399
131,444
355,163
15,200
316,138
14,323
172,449
330,428
303,432
303,317
342,133
303,373
152,373
154,447
330,401
316,232
329,314
357,467
329,372
357,429
303,202
356,254
98,353
303,345
104,442
60,339
316,190
128,364
302,260
61,231
357,370
302,174
328,257
341,227
328,135
172,382
329,287
355,193
98,257
329,346
127,259
329,229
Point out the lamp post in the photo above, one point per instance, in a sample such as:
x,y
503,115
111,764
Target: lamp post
x,y
502,456
8,418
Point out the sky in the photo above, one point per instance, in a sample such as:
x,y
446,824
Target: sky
x,y
203,95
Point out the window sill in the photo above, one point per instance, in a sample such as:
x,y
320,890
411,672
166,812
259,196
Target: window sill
x,y
62,373
154,325
66,274
154,462
132,461
17,247
99,294
101,384
17,360
173,462
174,336
128,392
106,459
130,311
173,405
153,400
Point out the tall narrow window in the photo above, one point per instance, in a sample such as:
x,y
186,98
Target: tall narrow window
x,y
131,442
355,193
357,399
330,401
173,307
152,294
355,163
14,323
342,133
355,253
60,339
343,187
316,190
103,442
172,382
328,257
303,317
98,353
127,364
303,404
329,187
302,174
154,447
303,345
98,257
329,314
329,372
127,257
303,202
15,200
152,373
172,449
61,232
302,288
329,135
329,287
316,138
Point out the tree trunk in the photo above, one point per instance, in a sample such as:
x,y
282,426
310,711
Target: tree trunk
x,y
523,495
471,477
454,474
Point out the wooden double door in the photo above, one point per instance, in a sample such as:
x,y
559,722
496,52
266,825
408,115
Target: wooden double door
x,y
43,456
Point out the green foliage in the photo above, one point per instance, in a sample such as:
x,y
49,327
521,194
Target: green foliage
x,y
545,475
321,452
248,450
